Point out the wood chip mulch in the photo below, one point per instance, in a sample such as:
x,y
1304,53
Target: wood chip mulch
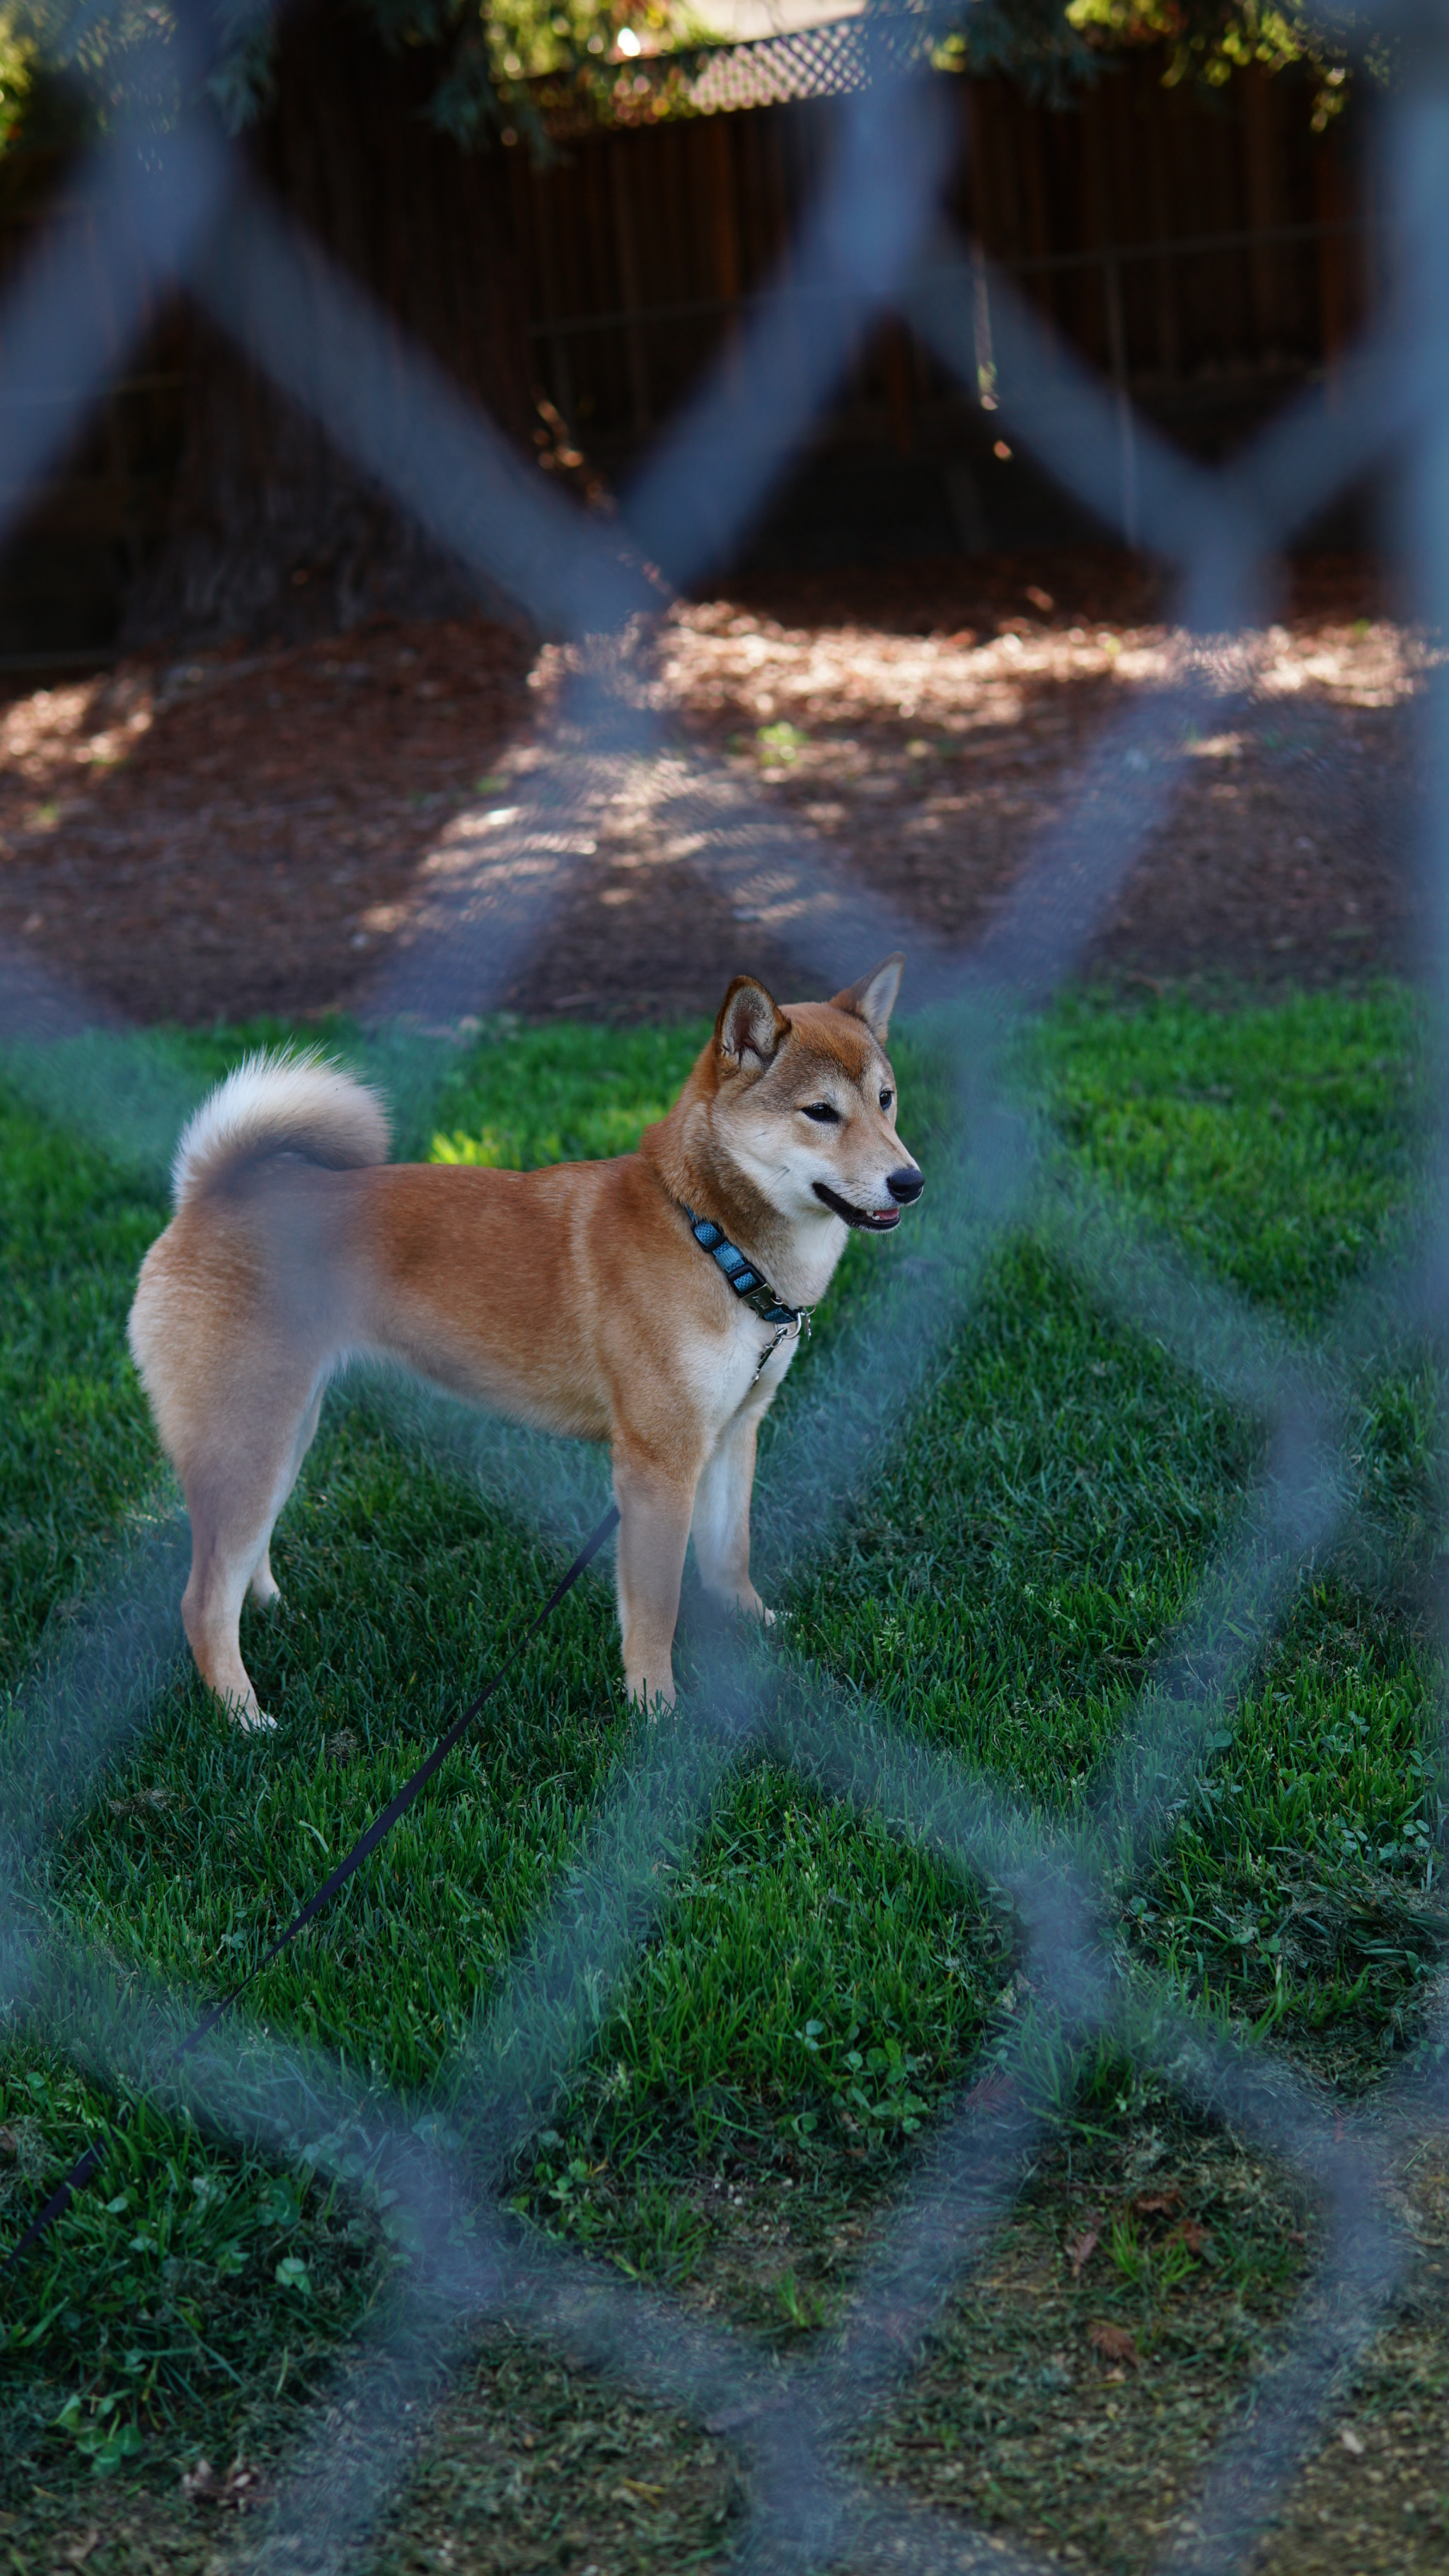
x,y
249,832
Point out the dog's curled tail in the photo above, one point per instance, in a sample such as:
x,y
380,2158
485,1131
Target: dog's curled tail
x,y
279,1103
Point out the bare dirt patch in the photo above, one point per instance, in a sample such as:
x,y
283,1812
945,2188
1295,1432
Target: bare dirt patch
x,y
539,2465
1374,2494
243,833
1075,2394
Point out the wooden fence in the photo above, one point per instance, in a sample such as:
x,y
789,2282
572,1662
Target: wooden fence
x,y
1201,248
98,515
1205,250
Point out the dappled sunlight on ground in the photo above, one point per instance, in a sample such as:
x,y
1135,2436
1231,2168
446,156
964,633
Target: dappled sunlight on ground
x,y
257,831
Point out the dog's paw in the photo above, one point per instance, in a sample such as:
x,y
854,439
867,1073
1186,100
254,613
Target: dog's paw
x,y
651,1703
252,1721
748,1605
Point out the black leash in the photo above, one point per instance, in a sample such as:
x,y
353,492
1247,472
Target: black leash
x,y
85,2166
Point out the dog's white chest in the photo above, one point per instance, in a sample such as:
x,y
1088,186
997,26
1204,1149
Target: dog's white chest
x,y
752,1368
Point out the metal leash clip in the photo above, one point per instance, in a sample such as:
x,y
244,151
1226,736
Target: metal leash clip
x,y
794,1324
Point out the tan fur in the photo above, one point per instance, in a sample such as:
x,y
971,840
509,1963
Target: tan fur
x,y
573,1298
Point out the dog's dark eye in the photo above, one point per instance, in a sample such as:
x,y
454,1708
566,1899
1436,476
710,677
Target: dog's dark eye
x,y
886,1098
821,1112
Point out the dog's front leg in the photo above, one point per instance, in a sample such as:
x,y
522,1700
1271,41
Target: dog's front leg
x,y
722,1517
655,1503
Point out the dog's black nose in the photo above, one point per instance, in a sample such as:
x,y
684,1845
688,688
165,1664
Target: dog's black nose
x,y
906,1184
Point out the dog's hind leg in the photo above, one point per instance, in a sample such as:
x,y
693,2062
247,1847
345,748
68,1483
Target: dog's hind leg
x,y
234,1495
264,1587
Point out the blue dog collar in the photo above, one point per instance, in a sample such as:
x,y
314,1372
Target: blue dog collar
x,y
746,1281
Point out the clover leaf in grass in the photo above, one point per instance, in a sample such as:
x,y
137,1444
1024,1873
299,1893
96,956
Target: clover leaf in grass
x,y
403,2228
121,2442
280,2203
98,2437
437,2133
292,2274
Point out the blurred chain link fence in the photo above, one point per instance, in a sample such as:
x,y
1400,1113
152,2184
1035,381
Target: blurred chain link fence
x,y
178,213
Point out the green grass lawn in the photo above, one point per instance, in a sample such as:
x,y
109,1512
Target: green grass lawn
x,y
812,1988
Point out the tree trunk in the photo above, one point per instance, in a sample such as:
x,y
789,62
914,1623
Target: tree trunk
x,y
271,532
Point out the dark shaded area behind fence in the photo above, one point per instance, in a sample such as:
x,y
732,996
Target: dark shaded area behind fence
x,y
1204,249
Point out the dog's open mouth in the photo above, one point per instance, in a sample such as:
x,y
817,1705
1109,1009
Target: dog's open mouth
x,y
861,1217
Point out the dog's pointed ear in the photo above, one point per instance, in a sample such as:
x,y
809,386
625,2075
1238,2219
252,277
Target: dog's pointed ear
x,y
750,1023
874,998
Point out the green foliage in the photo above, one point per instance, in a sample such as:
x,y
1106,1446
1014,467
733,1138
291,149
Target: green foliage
x,y
125,62
1030,41
18,71
1209,40
81,68
503,67
1053,49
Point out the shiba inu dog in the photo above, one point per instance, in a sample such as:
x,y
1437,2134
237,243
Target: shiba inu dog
x,y
654,1301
